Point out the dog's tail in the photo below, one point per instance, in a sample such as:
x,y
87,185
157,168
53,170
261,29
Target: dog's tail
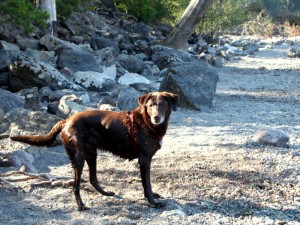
x,y
41,140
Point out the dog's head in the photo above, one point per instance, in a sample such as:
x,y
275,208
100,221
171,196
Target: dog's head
x,y
158,105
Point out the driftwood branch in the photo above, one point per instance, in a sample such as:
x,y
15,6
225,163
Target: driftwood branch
x,y
44,180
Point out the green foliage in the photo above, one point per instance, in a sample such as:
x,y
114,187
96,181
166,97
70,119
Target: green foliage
x,y
222,15
23,13
262,25
66,7
144,10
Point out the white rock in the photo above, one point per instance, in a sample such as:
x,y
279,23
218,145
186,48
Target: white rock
x,y
270,136
133,78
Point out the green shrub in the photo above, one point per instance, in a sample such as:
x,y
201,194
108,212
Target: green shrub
x,y
23,13
144,10
222,15
262,25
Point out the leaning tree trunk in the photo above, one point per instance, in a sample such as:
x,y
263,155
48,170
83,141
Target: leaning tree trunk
x,y
49,6
186,26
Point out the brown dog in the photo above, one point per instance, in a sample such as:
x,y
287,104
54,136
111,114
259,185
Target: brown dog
x,y
130,135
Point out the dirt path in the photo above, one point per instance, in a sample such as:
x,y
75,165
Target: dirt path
x,y
208,170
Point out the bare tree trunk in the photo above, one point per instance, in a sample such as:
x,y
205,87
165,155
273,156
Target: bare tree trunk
x,y
186,26
49,6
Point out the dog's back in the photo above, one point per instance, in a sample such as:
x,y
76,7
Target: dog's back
x,y
104,130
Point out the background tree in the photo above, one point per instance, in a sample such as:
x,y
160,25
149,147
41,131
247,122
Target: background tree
x,y
49,6
187,24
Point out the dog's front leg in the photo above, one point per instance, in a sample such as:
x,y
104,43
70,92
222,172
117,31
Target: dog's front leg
x,y
145,163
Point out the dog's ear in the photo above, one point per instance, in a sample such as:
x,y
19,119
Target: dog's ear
x,y
142,100
172,99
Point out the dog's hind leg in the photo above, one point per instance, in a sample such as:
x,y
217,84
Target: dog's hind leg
x,y
78,167
91,161
76,157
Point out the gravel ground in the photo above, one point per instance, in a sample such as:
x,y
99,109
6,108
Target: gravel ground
x,y
208,170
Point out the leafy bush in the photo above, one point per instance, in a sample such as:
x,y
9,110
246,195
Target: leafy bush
x,y
144,10
262,25
23,13
222,15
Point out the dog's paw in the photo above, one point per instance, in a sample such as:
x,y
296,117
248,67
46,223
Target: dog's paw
x,y
156,196
109,193
83,208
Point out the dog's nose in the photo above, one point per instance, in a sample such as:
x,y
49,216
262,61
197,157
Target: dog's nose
x,y
157,119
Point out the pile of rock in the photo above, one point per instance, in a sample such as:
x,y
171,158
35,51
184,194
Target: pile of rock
x,y
95,62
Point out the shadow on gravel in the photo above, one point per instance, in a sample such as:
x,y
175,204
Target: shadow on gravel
x,y
25,213
241,208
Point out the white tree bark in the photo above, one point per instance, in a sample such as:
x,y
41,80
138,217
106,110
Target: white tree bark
x,y
49,6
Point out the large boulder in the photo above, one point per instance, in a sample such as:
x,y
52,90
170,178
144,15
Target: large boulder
x,y
77,60
127,98
54,44
6,58
70,55
163,56
69,105
133,78
36,122
195,83
32,98
10,101
101,42
27,72
95,81
131,63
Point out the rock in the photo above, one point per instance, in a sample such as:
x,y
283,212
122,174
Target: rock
x,y
77,59
10,101
127,98
133,78
107,107
54,44
4,80
173,209
163,56
21,158
27,72
131,63
195,83
1,115
36,122
107,56
271,136
101,42
95,81
28,43
250,48
45,93
175,212
294,52
32,98
8,46
69,105
6,58
77,39
58,94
